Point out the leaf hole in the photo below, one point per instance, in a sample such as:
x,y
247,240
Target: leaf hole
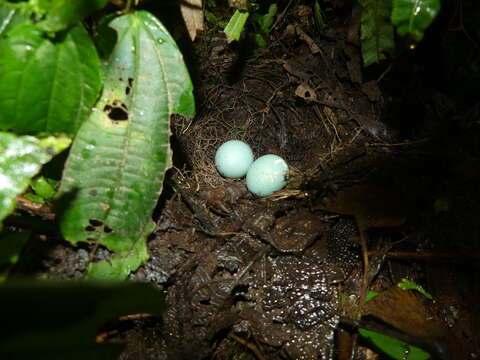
x,y
95,222
117,111
89,228
107,229
128,89
93,192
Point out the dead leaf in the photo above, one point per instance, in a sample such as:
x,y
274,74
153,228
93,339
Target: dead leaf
x,y
295,232
238,4
297,69
192,13
373,205
306,92
405,311
314,48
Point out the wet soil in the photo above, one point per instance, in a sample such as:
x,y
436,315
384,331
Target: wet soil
x,y
280,277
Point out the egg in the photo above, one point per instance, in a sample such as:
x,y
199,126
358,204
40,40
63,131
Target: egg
x,y
233,159
267,174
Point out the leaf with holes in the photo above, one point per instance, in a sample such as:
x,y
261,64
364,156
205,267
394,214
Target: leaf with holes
x,y
414,16
376,31
115,170
47,85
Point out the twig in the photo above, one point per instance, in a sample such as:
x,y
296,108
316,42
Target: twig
x,y
119,3
252,347
35,209
320,116
430,256
281,15
104,335
364,285
396,144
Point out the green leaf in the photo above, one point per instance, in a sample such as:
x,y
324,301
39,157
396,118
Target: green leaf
x,y
406,284
65,13
20,159
47,85
318,15
414,16
370,295
43,187
376,31
260,41
57,144
266,21
124,262
235,26
116,166
394,348
9,17
11,245
105,37
59,320
212,19
34,198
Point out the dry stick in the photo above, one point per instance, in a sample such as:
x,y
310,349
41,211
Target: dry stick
x,y
331,122
102,337
364,285
334,105
282,132
119,3
281,15
319,115
396,144
430,256
461,27
43,211
260,254
252,347
353,355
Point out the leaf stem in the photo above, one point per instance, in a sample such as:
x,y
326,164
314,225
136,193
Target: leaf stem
x,y
128,6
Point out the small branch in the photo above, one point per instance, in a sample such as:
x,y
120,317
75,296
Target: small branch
x,y
35,209
364,285
252,347
431,256
118,3
396,144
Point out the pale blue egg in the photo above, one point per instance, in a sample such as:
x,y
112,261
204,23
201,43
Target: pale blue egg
x,y
233,159
267,174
